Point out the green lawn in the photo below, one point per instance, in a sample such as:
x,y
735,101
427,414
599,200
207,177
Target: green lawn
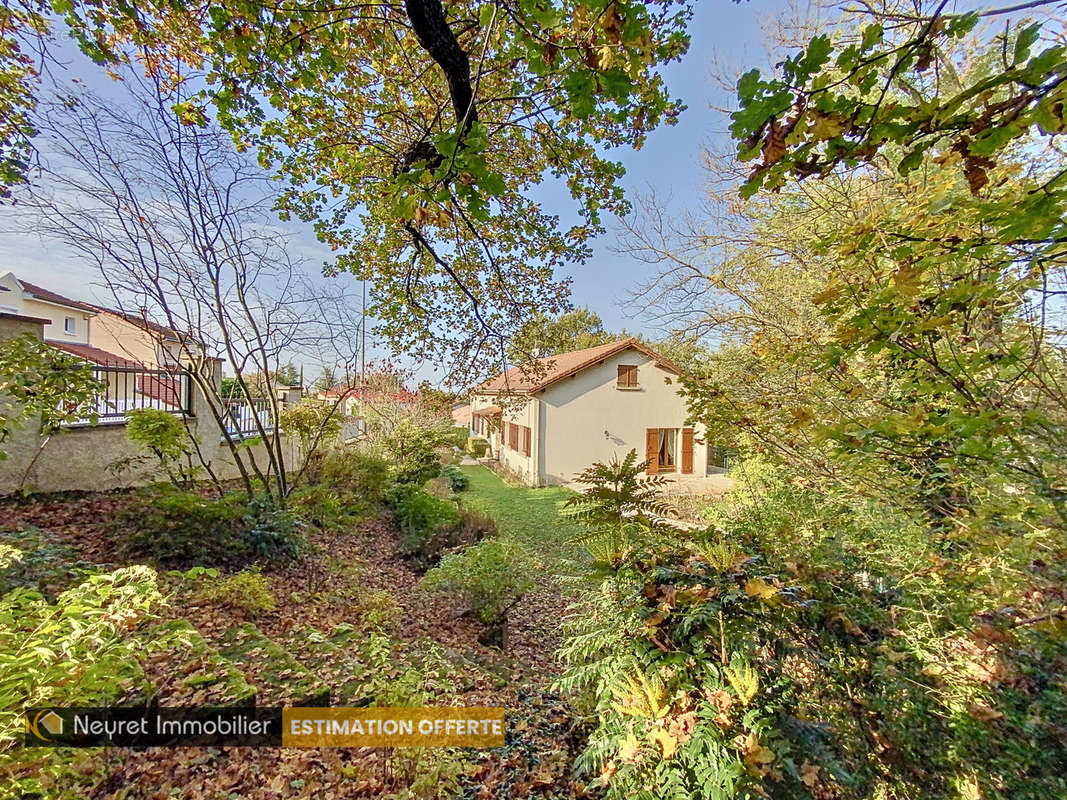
x,y
530,517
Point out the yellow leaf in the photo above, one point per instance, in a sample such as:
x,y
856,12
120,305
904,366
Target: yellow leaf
x,y
665,740
757,587
628,749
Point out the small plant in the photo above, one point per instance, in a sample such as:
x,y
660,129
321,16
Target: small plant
x,y
165,436
327,509
457,477
248,591
477,446
428,526
474,526
493,575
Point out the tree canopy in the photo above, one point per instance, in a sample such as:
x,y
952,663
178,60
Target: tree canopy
x,y
412,134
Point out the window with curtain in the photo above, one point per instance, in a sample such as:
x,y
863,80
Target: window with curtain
x,y
668,448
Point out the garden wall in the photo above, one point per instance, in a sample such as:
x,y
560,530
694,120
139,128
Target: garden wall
x,y
78,458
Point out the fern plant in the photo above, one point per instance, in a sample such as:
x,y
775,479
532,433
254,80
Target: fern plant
x,y
617,492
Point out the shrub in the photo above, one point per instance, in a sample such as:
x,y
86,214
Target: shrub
x,y
793,651
474,526
460,437
477,446
165,436
179,528
440,487
426,525
327,509
413,451
315,424
248,591
456,476
493,575
354,472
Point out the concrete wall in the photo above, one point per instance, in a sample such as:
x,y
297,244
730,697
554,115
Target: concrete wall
x,y
586,418
14,302
78,458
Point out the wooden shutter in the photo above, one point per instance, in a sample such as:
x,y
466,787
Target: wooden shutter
x,y
627,376
526,441
687,451
652,451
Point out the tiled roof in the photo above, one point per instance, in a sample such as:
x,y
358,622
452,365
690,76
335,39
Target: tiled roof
x,y
546,371
47,295
93,354
461,415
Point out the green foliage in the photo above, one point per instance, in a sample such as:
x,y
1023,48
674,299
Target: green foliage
x,y
616,492
44,383
165,436
544,335
183,528
815,646
440,487
37,560
327,508
412,449
353,473
427,524
313,423
79,650
864,94
247,591
457,477
493,576
477,446
461,436
582,80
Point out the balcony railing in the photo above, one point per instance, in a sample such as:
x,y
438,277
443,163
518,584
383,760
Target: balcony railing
x,y
129,388
241,418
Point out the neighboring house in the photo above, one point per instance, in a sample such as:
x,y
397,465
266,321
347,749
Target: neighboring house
x,y
122,348
68,320
572,409
135,336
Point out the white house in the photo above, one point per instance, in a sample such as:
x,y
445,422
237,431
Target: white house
x,y
550,423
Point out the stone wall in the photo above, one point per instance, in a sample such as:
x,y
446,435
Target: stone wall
x,y
79,458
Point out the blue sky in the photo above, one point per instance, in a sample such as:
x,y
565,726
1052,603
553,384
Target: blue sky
x,y
723,32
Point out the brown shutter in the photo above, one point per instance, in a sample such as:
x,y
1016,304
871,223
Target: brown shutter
x,y
652,451
687,451
526,441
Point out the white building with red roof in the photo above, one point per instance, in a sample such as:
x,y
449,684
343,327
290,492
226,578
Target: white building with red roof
x,y
548,421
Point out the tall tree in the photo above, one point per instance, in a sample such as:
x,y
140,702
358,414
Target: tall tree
x,y
179,225
411,133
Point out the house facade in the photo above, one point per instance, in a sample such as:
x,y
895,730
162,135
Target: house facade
x,y
68,320
569,410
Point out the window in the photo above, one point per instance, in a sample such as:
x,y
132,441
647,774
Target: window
x,y
627,377
661,450
68,325
518,438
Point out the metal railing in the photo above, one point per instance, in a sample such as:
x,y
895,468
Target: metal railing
x,y
240,418
131,387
